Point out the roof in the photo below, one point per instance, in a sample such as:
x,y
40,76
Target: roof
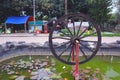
x,y
18,19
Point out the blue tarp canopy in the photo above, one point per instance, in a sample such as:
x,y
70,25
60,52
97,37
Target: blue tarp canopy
x,y
17,19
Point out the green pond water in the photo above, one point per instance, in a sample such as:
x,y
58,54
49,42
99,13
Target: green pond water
x,y
109,66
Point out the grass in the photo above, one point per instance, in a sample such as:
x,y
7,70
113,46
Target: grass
x,y
103,34
110,34
103,63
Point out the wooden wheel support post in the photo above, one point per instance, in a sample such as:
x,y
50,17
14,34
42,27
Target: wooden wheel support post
x,y
75,58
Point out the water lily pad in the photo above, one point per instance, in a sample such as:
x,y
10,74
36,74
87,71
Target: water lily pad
x,y
56,77
111,73
13,77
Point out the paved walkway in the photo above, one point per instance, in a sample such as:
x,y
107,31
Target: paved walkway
x,y
28,38
41,38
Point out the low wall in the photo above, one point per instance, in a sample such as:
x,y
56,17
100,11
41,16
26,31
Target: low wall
x,y
10,51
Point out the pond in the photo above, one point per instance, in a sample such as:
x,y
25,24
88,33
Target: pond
x,y
108,67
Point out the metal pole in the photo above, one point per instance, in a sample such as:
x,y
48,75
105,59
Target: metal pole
x,y
5,27
66,7
25,28
34,15
77,60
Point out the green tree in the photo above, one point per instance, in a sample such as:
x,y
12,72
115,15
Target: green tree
x,y
117,5
5,10
45,7
77,6
51,8
118,12
10,7
100,11
58,8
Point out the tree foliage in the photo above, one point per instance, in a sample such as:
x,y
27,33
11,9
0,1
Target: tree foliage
x,y
118,12
51,8
100,10
97,9
10,8
78,6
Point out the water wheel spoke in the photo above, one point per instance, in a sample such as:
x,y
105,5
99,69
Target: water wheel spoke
x,y
69,31
62,44
83,53
83,32
64,33
65,38
74,29
65,43
72,48
79,28
88,41
87,47
88,35
65,50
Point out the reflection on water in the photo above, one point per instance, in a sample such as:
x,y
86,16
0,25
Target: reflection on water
x,y
111,73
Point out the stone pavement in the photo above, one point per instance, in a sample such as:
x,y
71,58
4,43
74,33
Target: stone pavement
x,y
41,38
24,37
